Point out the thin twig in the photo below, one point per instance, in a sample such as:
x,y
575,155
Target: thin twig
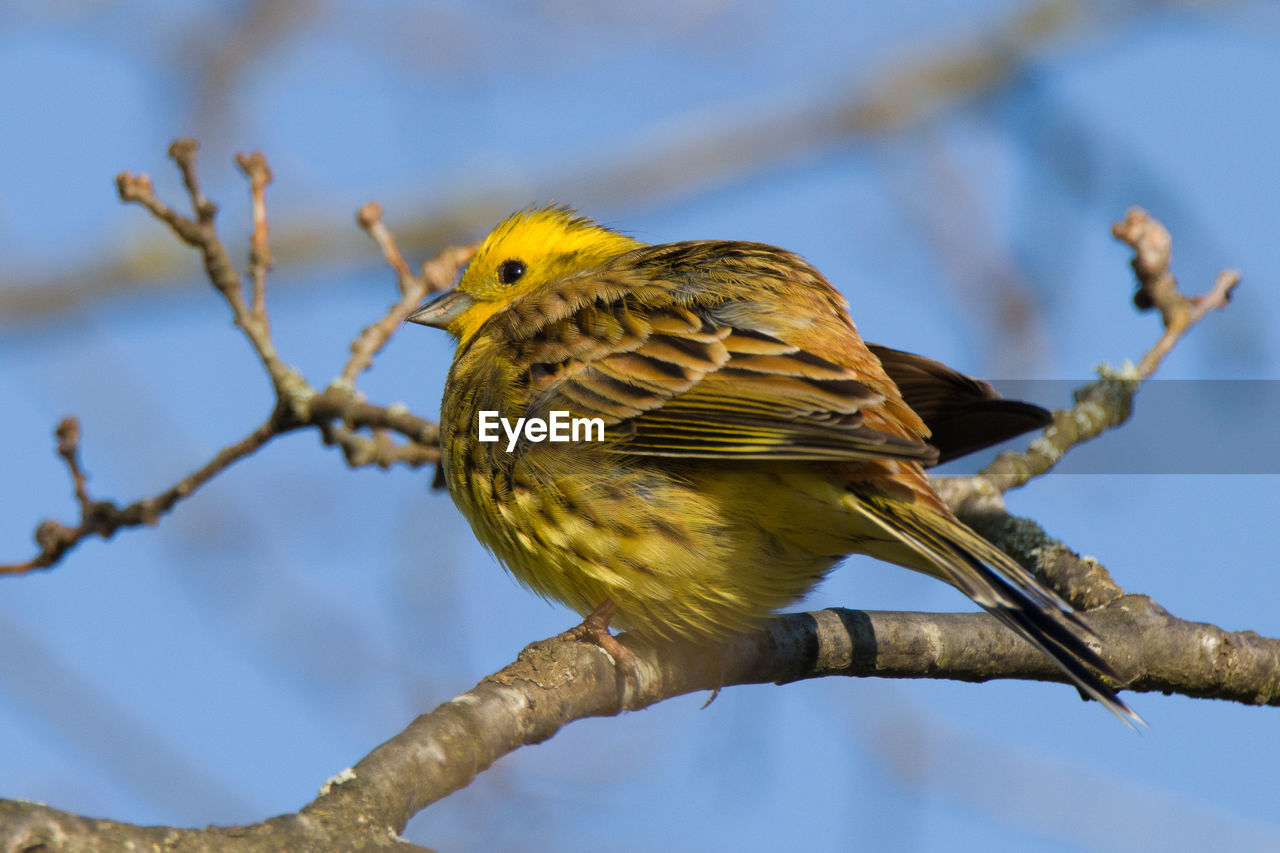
x,y
323,410
340,404
183,152
138,189
437,274
1158,288
380,450
202,234
1099,406
104,518
1108,402
256,169
68,434
337,412
1193,311
370,219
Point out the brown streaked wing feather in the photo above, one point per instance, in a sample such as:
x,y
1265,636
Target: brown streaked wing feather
x,y
673,380
666,353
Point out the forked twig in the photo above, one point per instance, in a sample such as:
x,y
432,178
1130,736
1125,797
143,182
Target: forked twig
x,y
338,412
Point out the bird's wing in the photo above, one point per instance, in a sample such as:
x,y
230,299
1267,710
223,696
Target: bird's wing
x,y
690,371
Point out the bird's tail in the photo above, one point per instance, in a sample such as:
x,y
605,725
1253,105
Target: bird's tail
x,y
941,545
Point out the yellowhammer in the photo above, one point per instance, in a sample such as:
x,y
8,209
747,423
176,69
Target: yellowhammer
x,y
750,438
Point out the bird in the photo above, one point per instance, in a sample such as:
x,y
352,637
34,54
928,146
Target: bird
x,y
750,439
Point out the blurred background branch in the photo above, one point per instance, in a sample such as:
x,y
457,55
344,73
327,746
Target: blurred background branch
x,y
720,145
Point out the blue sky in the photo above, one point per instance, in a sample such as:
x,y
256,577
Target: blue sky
x,y
294,614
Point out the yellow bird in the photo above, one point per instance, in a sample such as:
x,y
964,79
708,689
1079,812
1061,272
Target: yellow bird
x,y
750,438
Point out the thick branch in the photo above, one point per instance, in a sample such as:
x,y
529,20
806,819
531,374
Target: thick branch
x,y
554,683
27,826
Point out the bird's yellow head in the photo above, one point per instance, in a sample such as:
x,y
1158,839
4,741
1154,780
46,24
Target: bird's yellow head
x,y
526,252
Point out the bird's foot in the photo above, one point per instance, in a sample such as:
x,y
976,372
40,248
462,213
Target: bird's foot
x,y
595,629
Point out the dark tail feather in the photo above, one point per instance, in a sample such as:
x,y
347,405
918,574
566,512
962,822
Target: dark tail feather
x,y
961,430
1066,647
963,414
1010,593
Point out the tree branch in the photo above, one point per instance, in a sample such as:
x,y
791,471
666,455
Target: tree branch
x,y
1108,403
104,518
910,93
437,274
337,413
1099,406
554,682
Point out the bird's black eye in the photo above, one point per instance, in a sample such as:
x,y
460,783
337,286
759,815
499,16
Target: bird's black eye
x,y
509,272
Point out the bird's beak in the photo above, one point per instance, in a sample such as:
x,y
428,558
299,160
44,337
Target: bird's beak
x,y
441,310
